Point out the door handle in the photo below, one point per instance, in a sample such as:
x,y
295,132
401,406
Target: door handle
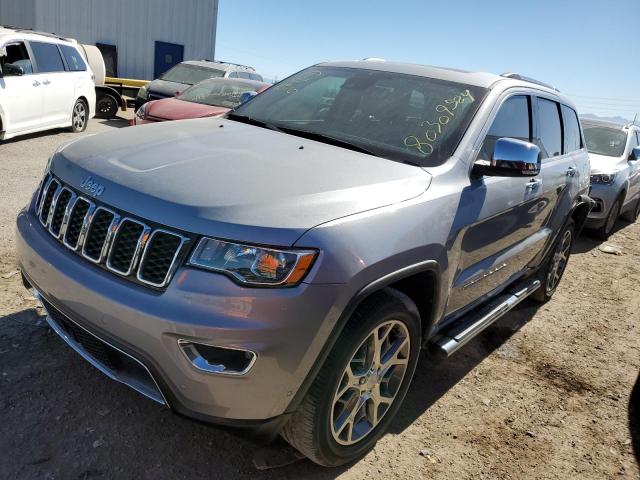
x,y
46,82
571,171
36,83
533,184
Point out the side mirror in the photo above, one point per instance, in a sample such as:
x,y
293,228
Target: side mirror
x,y
635,154
511,158
13,70
246,96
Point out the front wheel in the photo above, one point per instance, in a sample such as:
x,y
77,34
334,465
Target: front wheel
x,y
79,117
632,215
361,384
604,232
552,270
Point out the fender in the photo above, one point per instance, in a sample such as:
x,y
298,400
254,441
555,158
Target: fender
x,y
352,305
112,91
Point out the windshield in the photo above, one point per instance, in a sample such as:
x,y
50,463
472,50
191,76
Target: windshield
x,y
190,74
402,117
607,141
218,92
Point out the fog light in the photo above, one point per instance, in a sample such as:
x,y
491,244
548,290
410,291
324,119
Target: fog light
x,y
221,360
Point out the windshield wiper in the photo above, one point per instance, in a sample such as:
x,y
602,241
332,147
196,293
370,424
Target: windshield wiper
x,y
252,121
321,137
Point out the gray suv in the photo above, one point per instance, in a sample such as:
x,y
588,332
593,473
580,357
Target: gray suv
x,y
283,268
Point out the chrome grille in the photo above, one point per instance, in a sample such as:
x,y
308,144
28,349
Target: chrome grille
x,y
121,244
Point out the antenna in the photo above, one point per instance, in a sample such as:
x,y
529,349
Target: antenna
x,y
634,119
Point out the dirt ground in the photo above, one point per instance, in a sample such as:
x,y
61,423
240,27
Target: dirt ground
x,y
547,392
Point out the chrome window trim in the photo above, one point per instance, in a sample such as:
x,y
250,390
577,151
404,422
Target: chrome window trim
x,y
142,240
172,266
110,230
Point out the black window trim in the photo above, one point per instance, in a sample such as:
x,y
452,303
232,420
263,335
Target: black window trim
x,y
64,58
562,107
538,140
29,52
493,115
34,60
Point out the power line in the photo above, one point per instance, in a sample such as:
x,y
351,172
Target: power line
x,y
602,98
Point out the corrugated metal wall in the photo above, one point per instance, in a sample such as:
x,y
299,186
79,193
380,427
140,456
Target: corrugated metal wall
x,y
132,25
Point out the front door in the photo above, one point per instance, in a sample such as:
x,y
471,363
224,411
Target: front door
x,y
506,233
167,55
20,96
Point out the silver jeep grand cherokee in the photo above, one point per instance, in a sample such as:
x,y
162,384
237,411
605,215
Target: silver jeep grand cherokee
x,y
282,269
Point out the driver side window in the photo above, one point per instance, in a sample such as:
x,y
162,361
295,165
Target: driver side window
x,y
18,56
513,120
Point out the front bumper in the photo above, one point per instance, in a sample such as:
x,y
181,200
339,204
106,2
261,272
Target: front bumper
x,y
604,196
286,328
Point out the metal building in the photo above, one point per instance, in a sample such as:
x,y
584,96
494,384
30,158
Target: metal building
x,y
138,38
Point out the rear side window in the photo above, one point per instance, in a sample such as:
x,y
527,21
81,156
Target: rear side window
x,y
256,77
513,121
75,62
550,128
572,139
48,57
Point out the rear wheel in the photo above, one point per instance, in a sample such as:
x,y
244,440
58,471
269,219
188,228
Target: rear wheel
x,y
551,272
361,384
79,117
632,214
106,106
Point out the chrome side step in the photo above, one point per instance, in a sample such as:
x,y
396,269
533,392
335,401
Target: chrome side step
x,y
465,329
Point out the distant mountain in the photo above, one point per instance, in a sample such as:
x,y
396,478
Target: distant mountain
x,y
606,119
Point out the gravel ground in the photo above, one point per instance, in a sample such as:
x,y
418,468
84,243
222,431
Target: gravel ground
x,y
547,392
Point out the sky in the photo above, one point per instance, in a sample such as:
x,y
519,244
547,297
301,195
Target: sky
x,y
588,49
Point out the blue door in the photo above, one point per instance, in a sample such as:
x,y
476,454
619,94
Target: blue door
x,y
167,55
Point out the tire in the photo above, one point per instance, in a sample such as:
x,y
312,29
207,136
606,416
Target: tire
x,y
632,215
605,230
106,106
553,268
317,428
79,116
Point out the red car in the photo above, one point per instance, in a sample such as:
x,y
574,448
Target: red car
x,y
210,98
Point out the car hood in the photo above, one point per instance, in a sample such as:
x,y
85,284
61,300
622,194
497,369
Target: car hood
x,y
231,180
604,164
176,109
167,89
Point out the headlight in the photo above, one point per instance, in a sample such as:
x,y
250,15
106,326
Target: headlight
x,y
603,178
253,265
143,92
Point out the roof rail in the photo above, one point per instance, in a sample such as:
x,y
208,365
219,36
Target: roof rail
x,y
517,76
229,63
36,32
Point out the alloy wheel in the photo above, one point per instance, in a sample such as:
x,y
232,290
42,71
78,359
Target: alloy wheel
x,y
79,116
370,382
559,262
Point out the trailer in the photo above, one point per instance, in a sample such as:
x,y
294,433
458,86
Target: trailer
x,y
112,94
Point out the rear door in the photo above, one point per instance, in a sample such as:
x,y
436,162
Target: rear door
x,y
20,95
559,170
506,234
57,87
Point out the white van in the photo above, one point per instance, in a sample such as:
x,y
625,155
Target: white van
x,y
45,82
